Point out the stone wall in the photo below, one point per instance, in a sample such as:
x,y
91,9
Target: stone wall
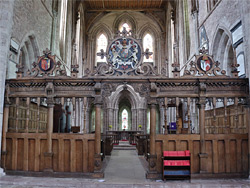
x,y
6,13
32,18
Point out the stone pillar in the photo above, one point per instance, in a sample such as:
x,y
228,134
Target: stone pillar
x,y
116,119
49,154
203,155
248,124
6,22
98,162
5,129
152,154
196,33
134,122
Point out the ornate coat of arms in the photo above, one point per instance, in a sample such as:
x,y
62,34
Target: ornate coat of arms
x,y
124,54
124,57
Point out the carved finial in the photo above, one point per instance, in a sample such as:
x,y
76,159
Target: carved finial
x,y
234,66
47,52
19,72
203,50
147,53
102,54
124,32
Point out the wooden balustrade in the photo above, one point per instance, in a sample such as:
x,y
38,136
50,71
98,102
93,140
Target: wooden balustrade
x,y
236,120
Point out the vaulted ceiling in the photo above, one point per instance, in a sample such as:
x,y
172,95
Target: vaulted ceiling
x,y
105,5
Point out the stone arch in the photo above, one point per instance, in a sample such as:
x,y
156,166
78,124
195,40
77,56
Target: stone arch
x,y
100,28
147,28
137,104
222,48
95,32
28,51
125,17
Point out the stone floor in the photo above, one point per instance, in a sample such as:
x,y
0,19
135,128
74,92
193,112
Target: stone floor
x,y
124,170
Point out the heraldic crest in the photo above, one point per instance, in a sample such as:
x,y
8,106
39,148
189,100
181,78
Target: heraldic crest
x,y
124,57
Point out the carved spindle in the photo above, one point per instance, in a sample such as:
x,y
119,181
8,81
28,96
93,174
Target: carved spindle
x,y
74,111
63,111
215,128
38,114
17,113
188,113
177,115
236,113
225,115
85,115
27,114
165,116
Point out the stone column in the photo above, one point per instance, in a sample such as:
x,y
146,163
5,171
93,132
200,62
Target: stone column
x,y
196,33
6,22
98,162
203,155
116,119
134,122
110,117
152,154
49,154
5,129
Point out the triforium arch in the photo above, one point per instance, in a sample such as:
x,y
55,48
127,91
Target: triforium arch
x,y
137,104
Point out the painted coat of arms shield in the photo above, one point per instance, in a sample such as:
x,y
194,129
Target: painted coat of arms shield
x,y
45,64
205,63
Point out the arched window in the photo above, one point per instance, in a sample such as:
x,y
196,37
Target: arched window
x,y
148,44
126,25
124,119
102,43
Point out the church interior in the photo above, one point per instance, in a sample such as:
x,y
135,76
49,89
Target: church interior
x,y
169,77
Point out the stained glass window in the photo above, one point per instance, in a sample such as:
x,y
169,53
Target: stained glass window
x,y
148,44
102,43
124,119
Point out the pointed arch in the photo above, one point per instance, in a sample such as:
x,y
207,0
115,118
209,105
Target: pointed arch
x,y
28,51
144,31
222,48
94,33
101,44
125,18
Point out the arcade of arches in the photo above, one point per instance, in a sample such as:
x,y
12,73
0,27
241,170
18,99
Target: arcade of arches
x,y
164,75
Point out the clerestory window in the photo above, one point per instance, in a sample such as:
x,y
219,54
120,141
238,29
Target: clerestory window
x,y
148,44
102,43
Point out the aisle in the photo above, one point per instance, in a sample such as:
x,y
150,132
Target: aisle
x,y
124,167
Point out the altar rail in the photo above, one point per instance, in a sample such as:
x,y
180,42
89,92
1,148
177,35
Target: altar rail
x,y
226,154
71,152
